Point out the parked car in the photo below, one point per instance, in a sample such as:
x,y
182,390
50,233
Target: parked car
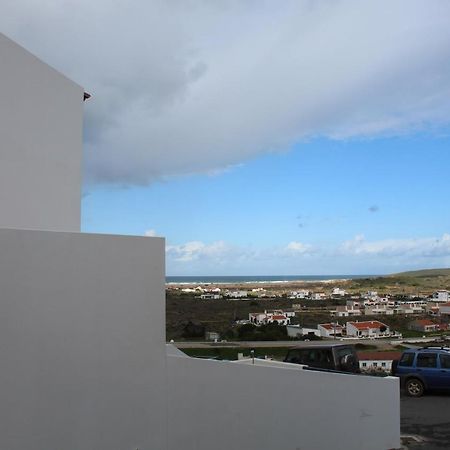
x,y
423,369
340,357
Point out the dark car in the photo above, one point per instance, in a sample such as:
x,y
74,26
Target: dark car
x,y
423,369
339,357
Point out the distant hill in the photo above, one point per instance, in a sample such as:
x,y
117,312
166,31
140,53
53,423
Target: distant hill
x,y
424,273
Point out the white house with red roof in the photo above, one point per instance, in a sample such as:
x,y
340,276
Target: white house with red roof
x,y
424,325
269,317
330,329
377,361
370,328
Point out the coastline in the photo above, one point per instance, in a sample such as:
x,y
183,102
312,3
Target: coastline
x,y
260,279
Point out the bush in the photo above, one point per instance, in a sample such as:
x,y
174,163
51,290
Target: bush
x,y
268,332
193,330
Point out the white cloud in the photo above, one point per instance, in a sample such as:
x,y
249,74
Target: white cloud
x,y
352,257
194,86
150,233
298,248
422,247
195,250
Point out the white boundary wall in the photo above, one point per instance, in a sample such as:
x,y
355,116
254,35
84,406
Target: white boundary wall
x,y
83,359
223,405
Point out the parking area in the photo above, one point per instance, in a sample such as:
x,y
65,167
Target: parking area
x,y
425,421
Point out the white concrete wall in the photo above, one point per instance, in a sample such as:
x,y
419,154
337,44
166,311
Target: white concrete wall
x,y
83,362
223,405
40,143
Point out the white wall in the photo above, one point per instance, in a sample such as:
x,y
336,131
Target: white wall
x,y
223,405
40,143
82,352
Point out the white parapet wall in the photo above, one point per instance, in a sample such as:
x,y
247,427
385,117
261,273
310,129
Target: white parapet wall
x,y
83,359
41,118
222,405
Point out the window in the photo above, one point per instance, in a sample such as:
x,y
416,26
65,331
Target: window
x,y
383,364
426,360
445,361
364,364
407,360
375,364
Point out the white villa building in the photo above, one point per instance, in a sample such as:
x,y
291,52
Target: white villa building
x,y
278,316
372,328
441,296
333,329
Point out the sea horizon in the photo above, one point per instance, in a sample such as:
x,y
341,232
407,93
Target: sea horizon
x,y
251,279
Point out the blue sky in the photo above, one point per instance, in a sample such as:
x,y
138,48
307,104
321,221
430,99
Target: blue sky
x,y
322,194
260,137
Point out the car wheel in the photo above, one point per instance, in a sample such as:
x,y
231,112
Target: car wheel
x,y
414,387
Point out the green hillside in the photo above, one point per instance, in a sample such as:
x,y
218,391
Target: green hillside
x,y
424,273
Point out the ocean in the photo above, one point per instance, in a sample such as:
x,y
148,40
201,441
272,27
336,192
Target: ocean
x,y
258,279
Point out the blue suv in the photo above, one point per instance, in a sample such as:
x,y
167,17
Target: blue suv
x,y
422,369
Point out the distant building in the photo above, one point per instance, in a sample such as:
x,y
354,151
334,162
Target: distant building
x,y
330,329
372,328
237,294
378,309
212,336
296,331
444,309
210,296
299,294
423,325
346,311
377,361
338,292
266,317
441,296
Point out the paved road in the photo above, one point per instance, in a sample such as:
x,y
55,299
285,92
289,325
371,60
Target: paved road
x,y
426,420
248,344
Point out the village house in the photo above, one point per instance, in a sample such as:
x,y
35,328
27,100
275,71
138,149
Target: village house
x,y
440,296
370,310
346,311
444,309
210,296
372,328
338,292
266,317
423,325
330,329
296,331
355,303
377,361
433,308
258,292
372,295
212,336
299,294
236,294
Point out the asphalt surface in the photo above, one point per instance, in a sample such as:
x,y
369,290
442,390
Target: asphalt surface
x,y
425,421
202,344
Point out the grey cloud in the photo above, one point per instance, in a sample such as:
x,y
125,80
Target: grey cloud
x,y
374,208
188,87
